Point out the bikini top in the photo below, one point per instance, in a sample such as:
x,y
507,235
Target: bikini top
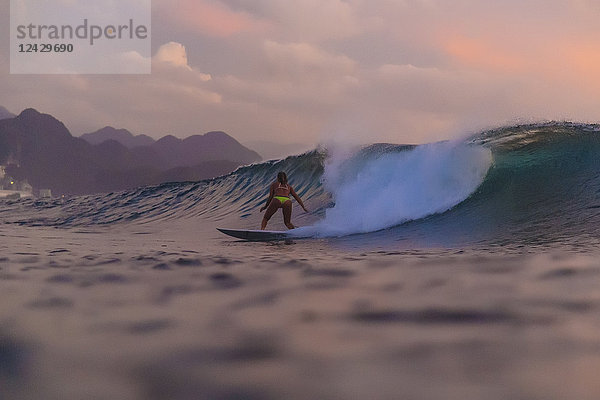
x,y
284,187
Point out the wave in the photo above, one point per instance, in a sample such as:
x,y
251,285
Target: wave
x,y
539,181
398,186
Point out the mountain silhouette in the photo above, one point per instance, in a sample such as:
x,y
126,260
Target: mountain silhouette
x,y
40,149
4,113
174,152
122,136
186,152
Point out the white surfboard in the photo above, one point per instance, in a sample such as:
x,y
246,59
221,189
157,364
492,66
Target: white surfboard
x,y
256,235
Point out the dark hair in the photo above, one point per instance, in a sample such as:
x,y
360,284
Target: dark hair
x,y
282,177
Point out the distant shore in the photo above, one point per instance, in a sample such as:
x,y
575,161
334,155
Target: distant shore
x,y
14,193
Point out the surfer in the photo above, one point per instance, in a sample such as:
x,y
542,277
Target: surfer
x,y
279,197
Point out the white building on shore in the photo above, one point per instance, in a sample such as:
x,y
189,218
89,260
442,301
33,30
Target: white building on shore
x,y
12,189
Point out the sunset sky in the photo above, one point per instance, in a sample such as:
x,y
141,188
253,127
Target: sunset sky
x,y
402,71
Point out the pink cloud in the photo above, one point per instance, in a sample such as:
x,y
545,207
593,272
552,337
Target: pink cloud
x,y
584,59
483,54
573,59
209,17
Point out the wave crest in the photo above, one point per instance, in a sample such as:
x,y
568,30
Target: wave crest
x,y
396,187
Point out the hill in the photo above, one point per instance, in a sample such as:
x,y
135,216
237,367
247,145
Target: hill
x,y
212,146
40,149
4,113
122,136
174,152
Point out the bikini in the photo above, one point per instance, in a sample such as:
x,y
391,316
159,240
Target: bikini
x,y
282,199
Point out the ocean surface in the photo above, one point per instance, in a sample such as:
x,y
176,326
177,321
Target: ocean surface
x,y
465,269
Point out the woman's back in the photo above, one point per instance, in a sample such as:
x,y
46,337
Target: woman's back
x,y
281,189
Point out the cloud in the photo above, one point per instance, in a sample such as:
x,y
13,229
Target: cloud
x,y
307,20
382,70
208,17
480,54
143,103
172,53
304,61
296,76
429,103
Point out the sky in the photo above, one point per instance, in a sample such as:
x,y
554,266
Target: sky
x,y
312,71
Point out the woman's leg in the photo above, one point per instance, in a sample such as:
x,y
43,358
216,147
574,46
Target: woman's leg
x,y
273,206
287,214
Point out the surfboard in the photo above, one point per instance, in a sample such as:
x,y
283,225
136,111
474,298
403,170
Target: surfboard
x,y
256,235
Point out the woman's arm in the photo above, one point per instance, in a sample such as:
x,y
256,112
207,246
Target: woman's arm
x,y
298,199
271,194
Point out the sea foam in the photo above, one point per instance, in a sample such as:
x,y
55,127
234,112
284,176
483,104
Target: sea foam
x,y
397,187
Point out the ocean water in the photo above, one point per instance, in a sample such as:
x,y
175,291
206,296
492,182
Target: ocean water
x,y
456,270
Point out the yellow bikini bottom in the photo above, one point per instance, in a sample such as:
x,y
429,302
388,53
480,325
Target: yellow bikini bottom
x,y
282,199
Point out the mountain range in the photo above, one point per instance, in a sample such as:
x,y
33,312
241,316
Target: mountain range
x,y
40,149
268,149
174,152
4,113
122,136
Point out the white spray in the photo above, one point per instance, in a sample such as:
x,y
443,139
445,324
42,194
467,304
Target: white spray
x,y
398,187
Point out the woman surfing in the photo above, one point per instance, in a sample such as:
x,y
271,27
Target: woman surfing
x,y
279,197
